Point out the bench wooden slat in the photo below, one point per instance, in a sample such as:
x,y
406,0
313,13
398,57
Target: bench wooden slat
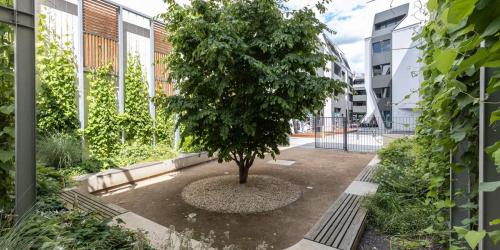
x,y
353,235
335,233
87,203
311,235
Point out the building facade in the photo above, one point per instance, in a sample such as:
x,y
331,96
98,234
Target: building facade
x,y
339,103
359,98
391,67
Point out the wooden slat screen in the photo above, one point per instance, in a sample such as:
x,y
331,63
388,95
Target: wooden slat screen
x,y
100,38
161,44
161,75
99,51
100,18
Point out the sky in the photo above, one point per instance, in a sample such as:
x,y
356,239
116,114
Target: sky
x,y
352,20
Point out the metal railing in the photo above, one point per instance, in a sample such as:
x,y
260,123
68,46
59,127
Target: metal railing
x,y
345,134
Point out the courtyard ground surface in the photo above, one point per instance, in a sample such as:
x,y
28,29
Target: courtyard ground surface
x,y
321,174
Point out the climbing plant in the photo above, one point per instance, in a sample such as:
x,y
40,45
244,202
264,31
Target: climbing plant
x,y
57,109
452,58
137,121
103,131
7,136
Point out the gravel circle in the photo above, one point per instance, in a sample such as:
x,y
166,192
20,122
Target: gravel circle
x,y
224,194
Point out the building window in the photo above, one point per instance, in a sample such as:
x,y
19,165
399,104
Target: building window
x,y
363,103
382,69
382,46
382,92
361,92
336,69
389,23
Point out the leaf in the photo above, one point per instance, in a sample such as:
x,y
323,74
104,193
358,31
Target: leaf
x,y
492,28
494,236
458,136
459,10
494,152
6,155
432,5
445,60
489,186
495,116
495,222
474,237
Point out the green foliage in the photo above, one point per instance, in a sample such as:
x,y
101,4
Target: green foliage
x,y
59,150
450,92
143,153
137,122
62,229
243,69
403,206
103,131
57,109
164,129
6,117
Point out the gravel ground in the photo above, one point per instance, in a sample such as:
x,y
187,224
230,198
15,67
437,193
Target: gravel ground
x,y
225,195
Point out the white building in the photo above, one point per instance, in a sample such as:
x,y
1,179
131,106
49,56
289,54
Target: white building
x,y
341,103
392,75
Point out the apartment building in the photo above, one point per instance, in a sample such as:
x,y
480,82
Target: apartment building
x,y
392,71
359,98
339,103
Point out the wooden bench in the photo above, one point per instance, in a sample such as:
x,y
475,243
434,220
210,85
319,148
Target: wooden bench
x,y
74,198
342,225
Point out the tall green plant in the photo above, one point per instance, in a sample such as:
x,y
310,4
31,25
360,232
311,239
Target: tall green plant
x,y
452,57
137,123
103,130
56,68
7,136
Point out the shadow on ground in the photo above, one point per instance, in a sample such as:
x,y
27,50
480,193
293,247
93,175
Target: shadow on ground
x,y
321,174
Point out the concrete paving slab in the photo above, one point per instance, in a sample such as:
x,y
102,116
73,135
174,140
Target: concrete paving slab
x,y
362,188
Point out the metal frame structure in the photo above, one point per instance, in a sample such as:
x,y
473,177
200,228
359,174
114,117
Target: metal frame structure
x,y
22,18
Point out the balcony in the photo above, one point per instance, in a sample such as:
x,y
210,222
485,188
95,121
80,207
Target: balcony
x,y
359,109
359,98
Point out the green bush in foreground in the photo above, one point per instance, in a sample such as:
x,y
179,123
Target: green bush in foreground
x,y
402,206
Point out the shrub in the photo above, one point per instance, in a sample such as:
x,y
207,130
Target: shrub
x,y
59,150
7,134
402,206
135,153
103,130
137,121
57,109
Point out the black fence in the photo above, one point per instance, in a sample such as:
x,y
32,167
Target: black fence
x,y
344,134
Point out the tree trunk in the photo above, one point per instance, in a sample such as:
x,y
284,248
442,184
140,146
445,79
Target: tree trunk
x,y
244,174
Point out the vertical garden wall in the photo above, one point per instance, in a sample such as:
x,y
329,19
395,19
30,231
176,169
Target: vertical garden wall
x,y
461,44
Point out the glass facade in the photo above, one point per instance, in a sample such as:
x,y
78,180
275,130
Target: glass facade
x,y
389,23
382,46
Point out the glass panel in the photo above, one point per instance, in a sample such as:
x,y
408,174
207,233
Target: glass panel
x,y
376,47
7,136
386,69
8,3
386,45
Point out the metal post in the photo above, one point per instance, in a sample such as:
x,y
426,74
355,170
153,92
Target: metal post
x,y
25,120
344,120
152,108
488,135
81,75
121,67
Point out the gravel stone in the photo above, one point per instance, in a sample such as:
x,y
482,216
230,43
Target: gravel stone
x,y
224,194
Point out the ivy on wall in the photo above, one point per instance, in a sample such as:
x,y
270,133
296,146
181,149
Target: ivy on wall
x,y
137,121
57,109
7,136
452,59
103,130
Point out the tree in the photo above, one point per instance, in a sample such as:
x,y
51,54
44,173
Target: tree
x,y
243,70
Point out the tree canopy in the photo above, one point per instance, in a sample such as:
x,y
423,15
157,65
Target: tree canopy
x,y
243,69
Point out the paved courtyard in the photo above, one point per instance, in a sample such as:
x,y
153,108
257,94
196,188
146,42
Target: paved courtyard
x,y
321,174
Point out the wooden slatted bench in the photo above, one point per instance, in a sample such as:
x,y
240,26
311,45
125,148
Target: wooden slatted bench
x,y
74,198
342,225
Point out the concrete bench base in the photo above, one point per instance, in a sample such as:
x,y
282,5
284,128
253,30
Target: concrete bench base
x,y
117,177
